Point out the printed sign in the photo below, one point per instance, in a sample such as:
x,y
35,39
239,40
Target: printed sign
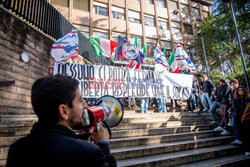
x,y
97,81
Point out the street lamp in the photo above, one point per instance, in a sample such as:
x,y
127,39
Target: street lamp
x,y
203,46
238,38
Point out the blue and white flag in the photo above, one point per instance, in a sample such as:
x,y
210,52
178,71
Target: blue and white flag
x,y
161,63
65,47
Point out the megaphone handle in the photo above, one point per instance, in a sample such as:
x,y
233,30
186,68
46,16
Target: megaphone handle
x,y
107,126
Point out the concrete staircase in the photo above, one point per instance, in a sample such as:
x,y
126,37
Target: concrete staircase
x,y
172,139
151,139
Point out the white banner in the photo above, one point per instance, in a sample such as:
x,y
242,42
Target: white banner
x,y
97,81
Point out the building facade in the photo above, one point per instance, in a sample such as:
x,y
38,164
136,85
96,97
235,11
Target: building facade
x,y
166,22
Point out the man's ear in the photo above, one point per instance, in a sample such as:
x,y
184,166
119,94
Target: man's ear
x,y
63,112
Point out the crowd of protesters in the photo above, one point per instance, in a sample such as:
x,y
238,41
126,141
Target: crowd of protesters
x,y
232,102
228,104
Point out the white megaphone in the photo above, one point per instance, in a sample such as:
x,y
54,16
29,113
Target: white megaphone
x,y
107,109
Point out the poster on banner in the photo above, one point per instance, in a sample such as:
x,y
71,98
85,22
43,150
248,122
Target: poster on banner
x,y
99,80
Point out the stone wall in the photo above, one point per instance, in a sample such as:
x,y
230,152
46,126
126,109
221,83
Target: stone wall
x,y
16,37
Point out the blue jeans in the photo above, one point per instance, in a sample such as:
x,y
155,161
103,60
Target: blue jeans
x,y
196,100
213,109
162,104
144,105
205,97
237,125
155,102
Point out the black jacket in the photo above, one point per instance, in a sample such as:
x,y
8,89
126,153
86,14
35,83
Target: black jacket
x,y
218,94
57,145
207,87
226,93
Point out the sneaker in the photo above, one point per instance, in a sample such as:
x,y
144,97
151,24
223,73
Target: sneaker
x,y
189,111
247,154
205,110
194,110
213,122
225,132
237,142
230,123
219,128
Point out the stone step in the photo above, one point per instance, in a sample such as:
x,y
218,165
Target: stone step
x,y
158,124
157,131
7,141
151,111
162,119
168,114
158,139
15,131
141,151
3,163
181,157
3,152
239,160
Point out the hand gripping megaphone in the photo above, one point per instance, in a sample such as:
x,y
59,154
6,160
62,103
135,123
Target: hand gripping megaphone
x,y
107,109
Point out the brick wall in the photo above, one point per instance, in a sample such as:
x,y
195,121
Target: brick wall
x,y
16,36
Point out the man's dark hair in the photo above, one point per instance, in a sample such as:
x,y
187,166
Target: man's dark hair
x,y
49,92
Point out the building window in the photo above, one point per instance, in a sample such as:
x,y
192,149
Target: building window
x,y
188,29
163,24
172,5
100,8
117,13
151,45
83,29
116,34
100,34
176,24
195,12
64,3
81,5
184,10
148,1
161,3
205,14
166,45
134,17
149,21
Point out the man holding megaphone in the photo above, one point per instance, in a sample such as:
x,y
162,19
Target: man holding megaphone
x,y
58,103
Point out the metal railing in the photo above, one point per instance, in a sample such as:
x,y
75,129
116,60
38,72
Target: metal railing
x,y
44,16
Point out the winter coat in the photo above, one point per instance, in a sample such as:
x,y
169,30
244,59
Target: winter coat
x,y
207,87
57,145
226,94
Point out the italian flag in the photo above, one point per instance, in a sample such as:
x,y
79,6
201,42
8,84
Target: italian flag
x,y
173,63
103,47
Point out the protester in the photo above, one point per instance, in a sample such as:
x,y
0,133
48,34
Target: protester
x,y
217,101
162,105
175,101
207,88
50,71
131,102
195,93
194,98
246,123
226,102
144,105
239,104
57,101
234,85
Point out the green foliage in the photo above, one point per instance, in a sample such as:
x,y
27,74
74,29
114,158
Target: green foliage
x,y
220,38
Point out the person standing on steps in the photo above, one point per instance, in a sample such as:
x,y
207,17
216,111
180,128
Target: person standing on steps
x,y
207,89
